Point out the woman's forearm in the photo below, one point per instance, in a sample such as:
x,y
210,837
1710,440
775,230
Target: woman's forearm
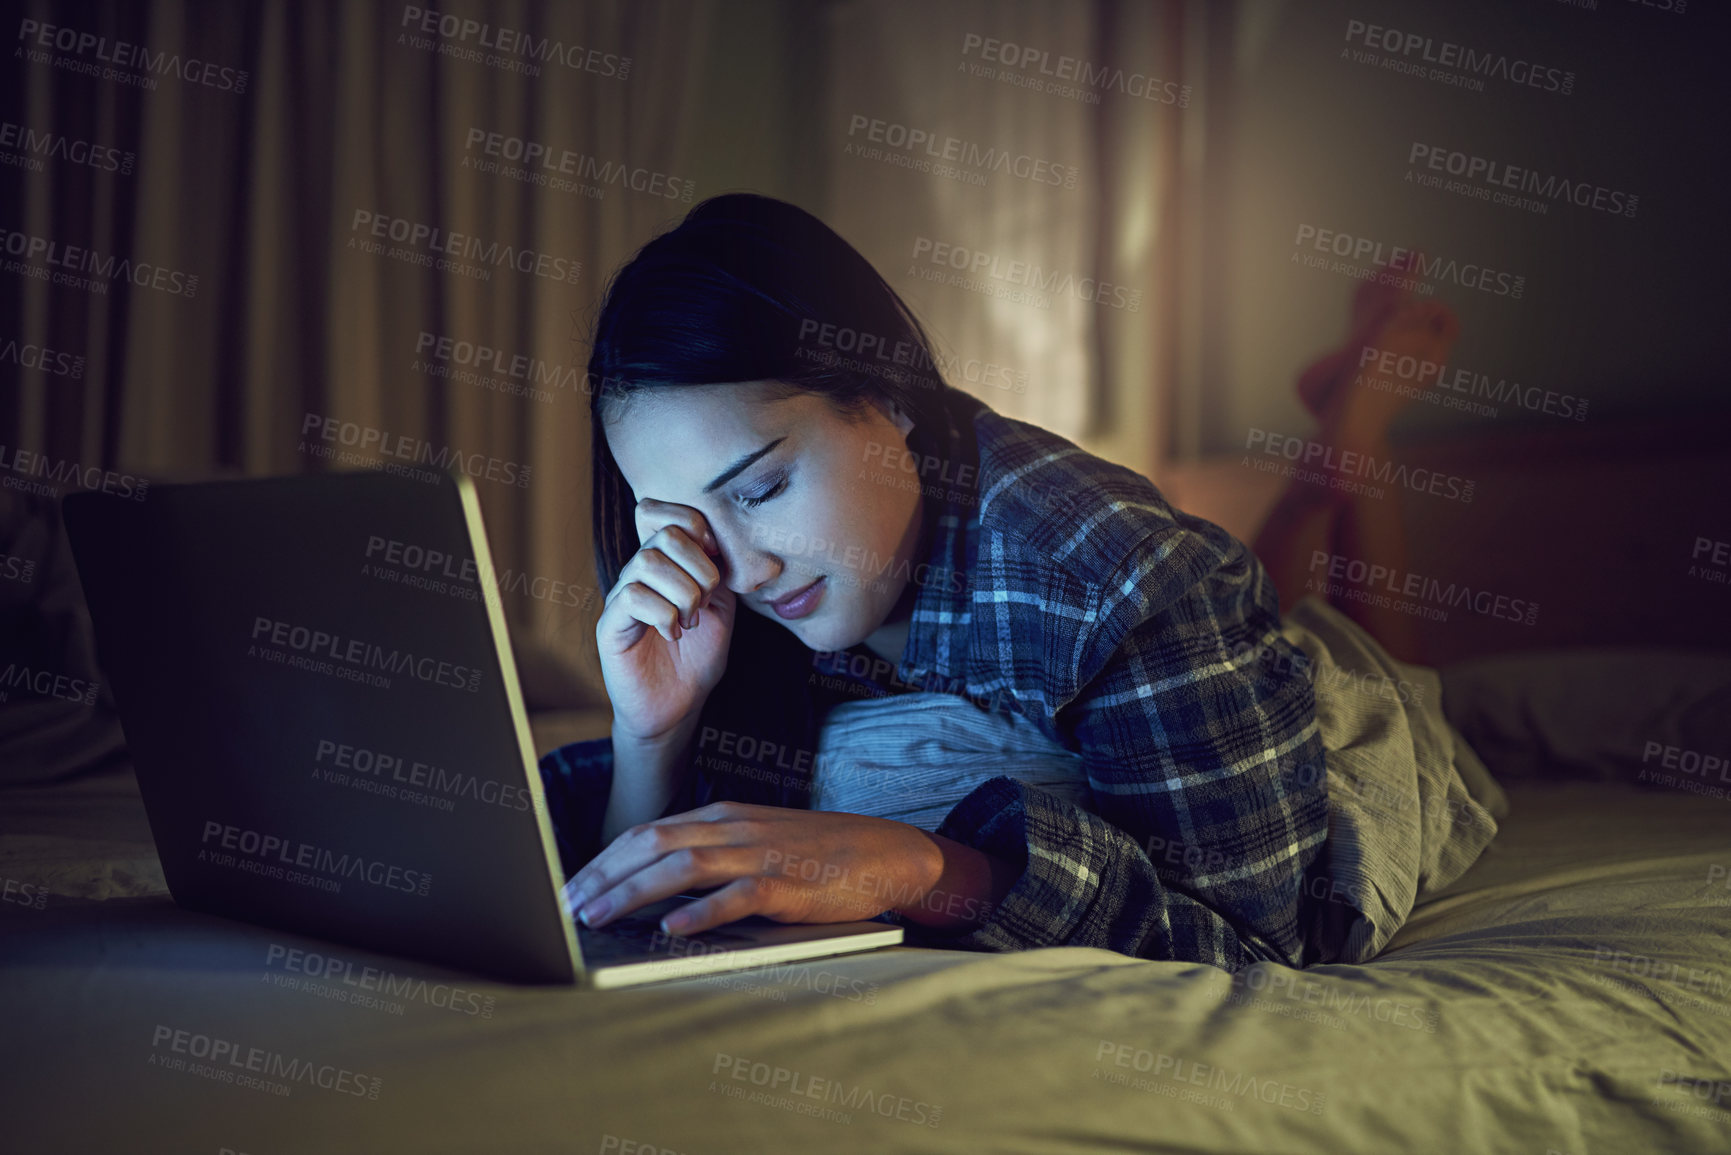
x,y
966,886
646,777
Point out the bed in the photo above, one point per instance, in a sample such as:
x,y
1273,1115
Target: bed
x,y
1570,993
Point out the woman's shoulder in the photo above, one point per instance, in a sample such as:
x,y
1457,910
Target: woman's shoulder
x,y
1045,496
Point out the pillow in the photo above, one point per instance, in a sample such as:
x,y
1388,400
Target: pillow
x,y
1653,717
911,757
56,714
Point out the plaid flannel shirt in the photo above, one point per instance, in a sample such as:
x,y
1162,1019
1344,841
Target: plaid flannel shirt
x,y
1143,638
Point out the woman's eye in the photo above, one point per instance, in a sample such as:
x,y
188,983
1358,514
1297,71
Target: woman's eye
x,y
752,500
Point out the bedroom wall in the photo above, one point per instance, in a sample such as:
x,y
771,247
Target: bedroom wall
x,y
1624,312
773,106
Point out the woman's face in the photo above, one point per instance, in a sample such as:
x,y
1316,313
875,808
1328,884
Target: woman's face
x,y
816,513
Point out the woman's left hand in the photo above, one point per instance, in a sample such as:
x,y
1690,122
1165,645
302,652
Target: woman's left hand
x,y
788,865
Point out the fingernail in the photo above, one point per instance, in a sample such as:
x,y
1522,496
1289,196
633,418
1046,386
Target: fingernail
x,y
675,922
676,631
694,614
595,913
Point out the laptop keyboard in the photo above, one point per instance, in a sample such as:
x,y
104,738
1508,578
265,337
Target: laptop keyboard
x,y
641,937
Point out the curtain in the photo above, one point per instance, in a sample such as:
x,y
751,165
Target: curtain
x,y
1012,169
252,192
271,177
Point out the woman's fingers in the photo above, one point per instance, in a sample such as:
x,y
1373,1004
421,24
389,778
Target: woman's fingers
x,y
568,896
653,516
666,577
633,602
676,568
683,534
649,842
676,871
654,587
673,545
738,899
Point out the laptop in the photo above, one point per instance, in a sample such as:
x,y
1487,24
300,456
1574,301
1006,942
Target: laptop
x,y
318,694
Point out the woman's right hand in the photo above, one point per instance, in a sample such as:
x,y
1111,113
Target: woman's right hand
x,y
666,624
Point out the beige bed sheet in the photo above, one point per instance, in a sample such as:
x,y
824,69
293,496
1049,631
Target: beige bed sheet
x,y
1503,1018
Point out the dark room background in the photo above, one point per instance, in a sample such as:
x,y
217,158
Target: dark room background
x,y
219,220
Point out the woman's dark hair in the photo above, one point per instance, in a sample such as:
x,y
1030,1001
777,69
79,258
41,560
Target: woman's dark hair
x,y
746,288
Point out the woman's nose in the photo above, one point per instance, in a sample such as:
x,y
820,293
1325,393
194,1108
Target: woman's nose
x,y
745,568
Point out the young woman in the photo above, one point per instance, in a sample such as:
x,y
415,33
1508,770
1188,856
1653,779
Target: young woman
x,y
795,515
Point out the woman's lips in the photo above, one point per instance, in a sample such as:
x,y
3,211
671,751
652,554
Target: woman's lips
x,y
799,603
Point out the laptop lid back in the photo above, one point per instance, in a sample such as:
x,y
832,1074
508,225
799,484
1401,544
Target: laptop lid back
x,y
319,697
